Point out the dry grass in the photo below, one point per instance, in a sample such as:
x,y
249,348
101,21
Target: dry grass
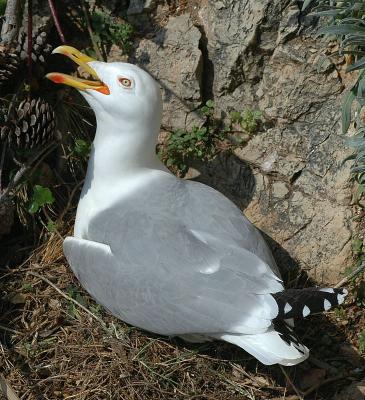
x,y
53,349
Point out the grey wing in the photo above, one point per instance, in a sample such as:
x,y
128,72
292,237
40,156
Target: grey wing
x,y
189,262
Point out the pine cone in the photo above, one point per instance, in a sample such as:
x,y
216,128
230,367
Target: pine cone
x,y
40,47
32,125
9,65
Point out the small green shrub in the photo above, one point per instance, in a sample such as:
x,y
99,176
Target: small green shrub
x,y
107,31
248,119
203,143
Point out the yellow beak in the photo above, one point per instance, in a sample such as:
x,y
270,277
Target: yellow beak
x,y
78,83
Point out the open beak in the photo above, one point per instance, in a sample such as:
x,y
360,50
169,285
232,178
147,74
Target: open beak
x,y
78,83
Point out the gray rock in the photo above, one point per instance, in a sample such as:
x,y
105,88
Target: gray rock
x,y
289,24
175,60
233,34
140,6
302,193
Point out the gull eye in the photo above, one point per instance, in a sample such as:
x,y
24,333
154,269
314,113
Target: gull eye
x,y
127,83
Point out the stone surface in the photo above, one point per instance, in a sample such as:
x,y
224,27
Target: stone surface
x,y
301,197
289,178
233,30
173,57
140,6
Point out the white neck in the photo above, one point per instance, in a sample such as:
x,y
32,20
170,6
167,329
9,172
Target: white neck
x,y
119,150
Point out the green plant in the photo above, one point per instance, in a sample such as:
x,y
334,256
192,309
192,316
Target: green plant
x,y
203,143
249,120
357,282
357,246
199,142
41,197
340,313
51,226
107,30
181,144
208,108
2,7
82,148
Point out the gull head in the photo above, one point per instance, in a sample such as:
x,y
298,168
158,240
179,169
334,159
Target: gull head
x,y
118,92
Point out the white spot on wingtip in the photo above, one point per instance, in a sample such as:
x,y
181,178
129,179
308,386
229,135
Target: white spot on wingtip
x,y
287,308
306,311
340,298
327,305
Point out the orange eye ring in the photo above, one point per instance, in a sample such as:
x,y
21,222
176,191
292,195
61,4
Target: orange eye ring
x,y
127,83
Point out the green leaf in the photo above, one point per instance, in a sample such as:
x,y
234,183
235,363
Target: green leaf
x,y
2,7
257,114
361,85
346,110
326,13
357,65
210,104
51,226
82,148
169,162
34,207
342,29
205,110
41,197
306,4
357,245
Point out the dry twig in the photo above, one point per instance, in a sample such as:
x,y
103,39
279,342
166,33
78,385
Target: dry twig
x,y
58,290
348,278
291,383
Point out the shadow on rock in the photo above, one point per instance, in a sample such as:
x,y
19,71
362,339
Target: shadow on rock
x,y
229,175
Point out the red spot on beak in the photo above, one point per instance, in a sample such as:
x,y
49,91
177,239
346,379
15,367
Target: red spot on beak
x,y
56,78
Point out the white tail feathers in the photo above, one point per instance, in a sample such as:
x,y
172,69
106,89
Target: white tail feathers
x,y
269,347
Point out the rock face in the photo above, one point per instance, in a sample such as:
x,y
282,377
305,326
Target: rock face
x,y
175,60
289,178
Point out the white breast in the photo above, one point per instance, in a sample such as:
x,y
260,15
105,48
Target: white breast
x,y
97,196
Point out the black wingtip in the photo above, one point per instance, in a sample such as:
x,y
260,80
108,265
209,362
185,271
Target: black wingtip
x,y
299,303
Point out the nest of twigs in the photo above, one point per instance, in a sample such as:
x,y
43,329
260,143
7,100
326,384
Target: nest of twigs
x,y
57,343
